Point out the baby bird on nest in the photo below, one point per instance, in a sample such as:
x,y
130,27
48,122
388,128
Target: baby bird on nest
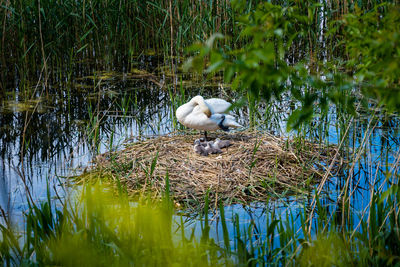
x,y
199,148
222,143
212,148
204,148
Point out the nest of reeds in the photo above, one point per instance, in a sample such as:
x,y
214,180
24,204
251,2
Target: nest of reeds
x,y
255,167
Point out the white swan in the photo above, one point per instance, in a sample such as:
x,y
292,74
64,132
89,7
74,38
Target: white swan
x,y
206,115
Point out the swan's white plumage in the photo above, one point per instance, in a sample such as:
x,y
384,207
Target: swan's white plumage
x,y
217,105
205,115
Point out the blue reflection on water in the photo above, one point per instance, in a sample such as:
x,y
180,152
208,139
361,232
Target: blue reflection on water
x,y
37,173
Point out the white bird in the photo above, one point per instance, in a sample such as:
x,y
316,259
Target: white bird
x,y
206,115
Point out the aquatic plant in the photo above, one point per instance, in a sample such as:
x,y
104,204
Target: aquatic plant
x,y
100,226
97,227
61,37
65,35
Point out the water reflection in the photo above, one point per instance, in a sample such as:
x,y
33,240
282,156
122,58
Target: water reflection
x,y
44,140
38,147
52,133
4,190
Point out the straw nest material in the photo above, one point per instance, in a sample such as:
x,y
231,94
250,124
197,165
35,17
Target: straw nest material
x,y
256,166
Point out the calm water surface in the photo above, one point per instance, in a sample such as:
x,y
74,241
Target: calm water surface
x,y
54,135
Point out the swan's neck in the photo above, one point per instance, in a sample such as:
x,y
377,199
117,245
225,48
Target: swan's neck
x,y
199,100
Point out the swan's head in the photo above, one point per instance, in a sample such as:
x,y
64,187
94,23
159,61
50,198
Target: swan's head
x,y
199,100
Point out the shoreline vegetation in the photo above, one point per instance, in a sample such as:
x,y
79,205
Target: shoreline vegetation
x,y
335,64
117,232
40,40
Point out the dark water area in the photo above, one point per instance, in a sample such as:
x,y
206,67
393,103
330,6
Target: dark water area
x,y
50,133
46,134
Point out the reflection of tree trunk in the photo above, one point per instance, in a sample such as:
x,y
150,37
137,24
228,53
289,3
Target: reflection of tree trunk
x,y
4,193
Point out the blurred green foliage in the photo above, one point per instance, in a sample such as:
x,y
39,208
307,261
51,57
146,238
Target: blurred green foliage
x,y
99,228
366,48
327,250
372,44
102,227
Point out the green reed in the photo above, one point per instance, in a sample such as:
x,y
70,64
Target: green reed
x,y
96,227
102,226
53,35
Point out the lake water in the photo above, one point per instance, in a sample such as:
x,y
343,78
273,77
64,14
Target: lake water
x,y
53,136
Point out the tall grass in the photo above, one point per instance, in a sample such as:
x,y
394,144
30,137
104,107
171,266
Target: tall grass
x,y
55,35
102,227
98,228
